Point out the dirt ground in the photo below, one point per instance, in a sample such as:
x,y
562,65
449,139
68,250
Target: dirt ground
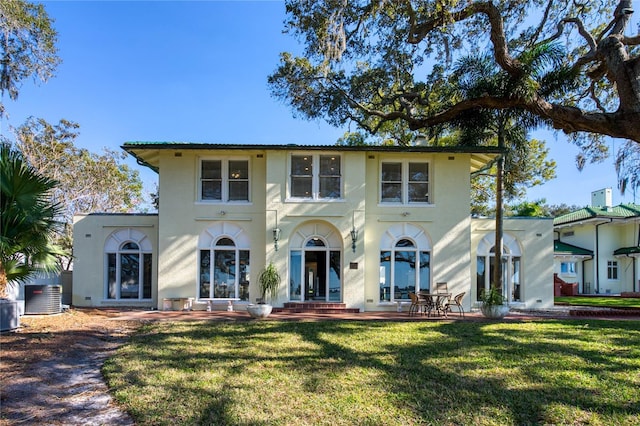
x,y
50,369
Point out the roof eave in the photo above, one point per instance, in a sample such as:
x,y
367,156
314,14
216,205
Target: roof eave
x,y
481,157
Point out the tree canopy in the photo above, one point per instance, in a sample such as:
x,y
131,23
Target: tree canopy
x,y
27,46
87,182
389,64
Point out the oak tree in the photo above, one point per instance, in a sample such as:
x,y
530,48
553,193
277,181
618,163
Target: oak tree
x,y
27,46
378,62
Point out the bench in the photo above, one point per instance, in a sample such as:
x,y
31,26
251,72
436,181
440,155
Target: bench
x,y
226,303
184,303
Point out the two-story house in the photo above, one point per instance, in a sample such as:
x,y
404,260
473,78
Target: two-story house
x,y
363,226
598,247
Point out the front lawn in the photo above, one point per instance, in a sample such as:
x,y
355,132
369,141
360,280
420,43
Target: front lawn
x,y
600,301
380,373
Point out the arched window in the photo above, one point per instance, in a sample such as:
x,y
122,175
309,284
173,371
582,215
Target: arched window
x,y
223,263
511,267
405,262
129,265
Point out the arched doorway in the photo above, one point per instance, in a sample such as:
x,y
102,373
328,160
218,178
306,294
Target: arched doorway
x,y
315,264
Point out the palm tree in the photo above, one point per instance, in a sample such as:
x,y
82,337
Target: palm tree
x,y
479,76
27,221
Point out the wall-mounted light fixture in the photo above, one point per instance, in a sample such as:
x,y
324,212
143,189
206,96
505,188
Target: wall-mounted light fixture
x,y
276,233
276,237
354,232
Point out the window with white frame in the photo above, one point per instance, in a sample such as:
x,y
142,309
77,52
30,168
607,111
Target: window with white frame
x,y
224,180
568,268
612,269
404,269
129,265
405,262
404,182
223,262
316,176
224,271
510,269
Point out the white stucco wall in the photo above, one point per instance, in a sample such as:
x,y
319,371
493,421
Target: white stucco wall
x,y
445,222
444,225
336,217
90,233
183,218
611,236
535,238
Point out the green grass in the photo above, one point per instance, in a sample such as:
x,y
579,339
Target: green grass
x,y
600,301
380,373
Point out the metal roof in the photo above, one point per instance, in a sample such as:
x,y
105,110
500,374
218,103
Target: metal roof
x,y
626,251
147,153
622,211
560,248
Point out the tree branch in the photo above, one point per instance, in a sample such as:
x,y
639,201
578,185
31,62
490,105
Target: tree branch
x,y
593,45
418,32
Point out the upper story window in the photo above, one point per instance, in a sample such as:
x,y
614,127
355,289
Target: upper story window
x,y
224,180
404,182
316,176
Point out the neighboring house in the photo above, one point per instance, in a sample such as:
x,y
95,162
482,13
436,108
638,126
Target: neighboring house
x,y
361,226
598,247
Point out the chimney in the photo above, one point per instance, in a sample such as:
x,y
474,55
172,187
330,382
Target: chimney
x,y
602,198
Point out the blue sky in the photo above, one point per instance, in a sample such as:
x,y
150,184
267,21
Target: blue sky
x,y
197,72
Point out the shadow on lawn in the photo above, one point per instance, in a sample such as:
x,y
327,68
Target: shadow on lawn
x,y
438,372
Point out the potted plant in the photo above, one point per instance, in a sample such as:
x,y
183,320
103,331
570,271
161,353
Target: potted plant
x,y
268,281
493,304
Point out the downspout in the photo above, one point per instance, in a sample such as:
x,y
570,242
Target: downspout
x,y
582,275
633,262
635,275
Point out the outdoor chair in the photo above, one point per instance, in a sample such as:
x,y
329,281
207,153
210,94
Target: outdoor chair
x,y
441,287
418,304
457,302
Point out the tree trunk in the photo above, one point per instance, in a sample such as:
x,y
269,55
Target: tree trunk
x,y
4,284
496,281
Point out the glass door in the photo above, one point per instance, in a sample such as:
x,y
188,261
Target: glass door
x,y
315,279
315,274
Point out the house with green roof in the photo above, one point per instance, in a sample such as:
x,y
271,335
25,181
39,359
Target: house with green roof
x,y
358,227
598,247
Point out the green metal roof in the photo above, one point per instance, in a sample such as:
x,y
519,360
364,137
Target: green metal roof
x,y
626,251
147,153
560,248
622,211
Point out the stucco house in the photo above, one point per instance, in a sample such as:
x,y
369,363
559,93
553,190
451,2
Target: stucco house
x,y
358,226
598,247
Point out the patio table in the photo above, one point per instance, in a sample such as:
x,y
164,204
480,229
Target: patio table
x,y
438,300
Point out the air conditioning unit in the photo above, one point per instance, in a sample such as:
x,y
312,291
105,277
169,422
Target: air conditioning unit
x,y
42,299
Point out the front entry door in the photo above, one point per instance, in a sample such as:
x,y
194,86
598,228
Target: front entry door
x,y
315,275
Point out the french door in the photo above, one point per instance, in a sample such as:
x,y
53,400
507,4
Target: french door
x,y
315,275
